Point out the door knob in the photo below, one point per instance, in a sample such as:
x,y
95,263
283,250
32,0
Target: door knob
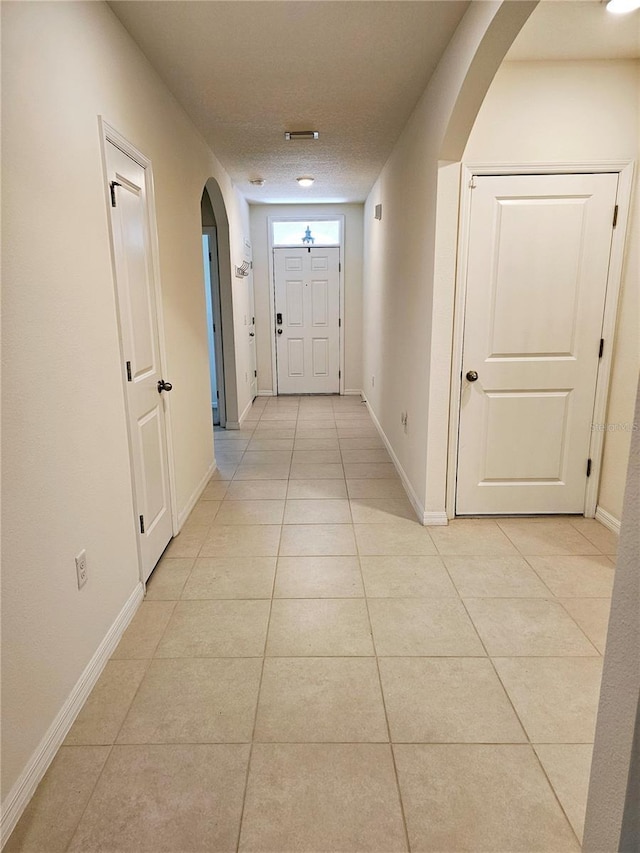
x,y
252,334
279,331
472,375
164,386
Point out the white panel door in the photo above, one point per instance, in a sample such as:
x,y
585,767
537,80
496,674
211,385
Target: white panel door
x,y
308,320
140,349
538,257
253,360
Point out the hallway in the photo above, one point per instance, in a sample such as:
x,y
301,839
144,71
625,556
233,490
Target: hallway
x,y
312,670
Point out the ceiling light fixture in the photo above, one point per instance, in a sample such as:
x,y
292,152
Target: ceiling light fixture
x,y
622,7
305,182
257,182
301,134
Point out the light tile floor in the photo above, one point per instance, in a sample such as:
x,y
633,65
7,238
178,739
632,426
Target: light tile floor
x,y
312,670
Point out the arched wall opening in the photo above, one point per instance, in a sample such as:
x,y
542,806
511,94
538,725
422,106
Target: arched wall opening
x,y
214,216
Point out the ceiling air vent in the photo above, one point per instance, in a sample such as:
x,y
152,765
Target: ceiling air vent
x,y
301,134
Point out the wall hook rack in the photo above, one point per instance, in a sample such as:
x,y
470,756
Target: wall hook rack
x,y
243,270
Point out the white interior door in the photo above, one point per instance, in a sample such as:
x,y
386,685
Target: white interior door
x,y
140,350
253,360
307,320
538,257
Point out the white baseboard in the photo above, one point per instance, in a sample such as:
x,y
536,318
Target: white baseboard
x,y
265,394
415,501
607,519
247,409
193,500
436,519
24,788
352,392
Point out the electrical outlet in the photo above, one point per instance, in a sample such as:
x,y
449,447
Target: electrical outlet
x,y
81,568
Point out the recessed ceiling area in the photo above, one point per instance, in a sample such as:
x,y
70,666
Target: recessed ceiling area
x,y
246,72
577,29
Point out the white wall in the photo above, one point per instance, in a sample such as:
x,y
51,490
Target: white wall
x,y
66,478
398,293
576,112
353,250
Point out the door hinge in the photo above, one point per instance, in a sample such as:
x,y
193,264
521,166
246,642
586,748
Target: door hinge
x,y
615,216
601,350
142,524
339,374
339,266
472,182
128,371
209,257
253,321
255,373
339,322
214,327
217,395
112,187
588,467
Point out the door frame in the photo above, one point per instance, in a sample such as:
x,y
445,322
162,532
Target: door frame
x,y
625,170
272,287
109,134
211,231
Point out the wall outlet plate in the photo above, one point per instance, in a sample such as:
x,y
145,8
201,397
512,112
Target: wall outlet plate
x,y
81,568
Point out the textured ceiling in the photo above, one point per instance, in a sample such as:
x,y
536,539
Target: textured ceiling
x,y
247,71
577,29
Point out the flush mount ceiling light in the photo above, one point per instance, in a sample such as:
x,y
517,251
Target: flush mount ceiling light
x,y
301,134
257,182
622,7
305,182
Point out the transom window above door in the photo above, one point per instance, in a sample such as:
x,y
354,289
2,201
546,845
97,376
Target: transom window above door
x,y
306,232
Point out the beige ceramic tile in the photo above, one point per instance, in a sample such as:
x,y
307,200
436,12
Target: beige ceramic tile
x,y
317,489
592,615
187,543
473,797
49,821
266,457
495,577
167,799
528,627
366,442
319,628
317,457
306,444
203,513
365,454
317,512
437,627
556,698
262,444
231,577
320,699
468,536
228,457
195,700
104,711
375,489
568,767
285,414
262,472
546,538
168,579
605,540
145,630
576,577
311,540
351,805
381,510
316,471
406,577
245,490
275,430
370,471
403,537
447,700
215,629
318,577
215,490
250,512
224,471
362,430
246,540
309,431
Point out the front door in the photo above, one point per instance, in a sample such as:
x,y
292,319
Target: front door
x,y
537,264
307,320
130,225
